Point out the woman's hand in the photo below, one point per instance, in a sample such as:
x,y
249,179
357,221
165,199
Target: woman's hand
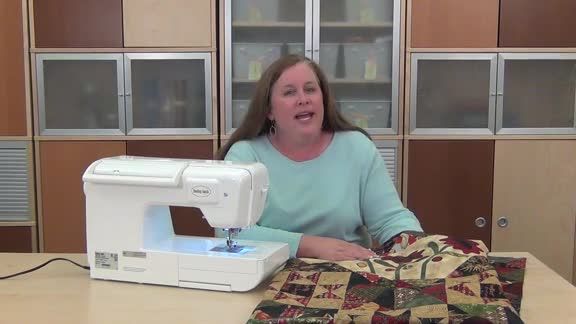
x,y
327,248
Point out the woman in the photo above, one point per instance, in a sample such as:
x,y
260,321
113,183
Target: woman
x,y
328,183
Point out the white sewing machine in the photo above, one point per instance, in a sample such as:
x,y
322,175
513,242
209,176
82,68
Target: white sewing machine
x,y
129,229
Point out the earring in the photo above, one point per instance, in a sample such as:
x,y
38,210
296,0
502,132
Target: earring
x,y
272,130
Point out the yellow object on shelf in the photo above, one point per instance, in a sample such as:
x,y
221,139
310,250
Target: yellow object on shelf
x,y
367,16
255,14
255,70
370,69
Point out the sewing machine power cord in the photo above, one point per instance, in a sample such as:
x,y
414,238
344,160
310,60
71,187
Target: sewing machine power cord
x,y
42,265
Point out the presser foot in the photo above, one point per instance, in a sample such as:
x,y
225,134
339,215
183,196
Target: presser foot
x,y
231,245
233,249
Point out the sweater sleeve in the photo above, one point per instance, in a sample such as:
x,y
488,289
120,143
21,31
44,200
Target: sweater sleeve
x,y
242,152
384,214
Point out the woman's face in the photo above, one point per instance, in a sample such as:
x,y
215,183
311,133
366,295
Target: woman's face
x,y
297,105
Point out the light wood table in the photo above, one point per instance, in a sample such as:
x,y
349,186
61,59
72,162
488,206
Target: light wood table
x,y
64,293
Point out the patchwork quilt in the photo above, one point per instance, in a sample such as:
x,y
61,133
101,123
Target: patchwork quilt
x,y
413,279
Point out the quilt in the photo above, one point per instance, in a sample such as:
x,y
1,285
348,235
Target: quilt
x,y
413,279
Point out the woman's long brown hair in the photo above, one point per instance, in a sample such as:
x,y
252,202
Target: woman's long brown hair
x,y
256,122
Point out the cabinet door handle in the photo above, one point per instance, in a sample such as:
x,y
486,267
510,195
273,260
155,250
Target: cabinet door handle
x,y
480,222
502,222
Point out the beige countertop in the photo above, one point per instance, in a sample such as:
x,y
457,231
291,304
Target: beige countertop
x,y
64,293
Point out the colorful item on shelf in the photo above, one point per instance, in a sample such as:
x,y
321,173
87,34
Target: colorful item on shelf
x,y
358,119
370,11
367,16
255,14
370,68
426,278
254,70
251,59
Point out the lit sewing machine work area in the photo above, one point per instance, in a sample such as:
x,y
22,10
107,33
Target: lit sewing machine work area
x,y
238,249
199,245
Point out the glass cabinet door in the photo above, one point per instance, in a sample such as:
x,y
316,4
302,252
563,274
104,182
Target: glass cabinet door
x,y
168,93
80,94
536,93
357,47
452,93
257,33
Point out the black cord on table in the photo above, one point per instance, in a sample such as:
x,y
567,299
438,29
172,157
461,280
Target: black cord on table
x,y
42,265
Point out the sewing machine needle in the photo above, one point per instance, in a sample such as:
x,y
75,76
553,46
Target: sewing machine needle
x,y
228,239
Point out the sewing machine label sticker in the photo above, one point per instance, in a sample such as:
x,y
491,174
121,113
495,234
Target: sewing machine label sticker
x,y
106,260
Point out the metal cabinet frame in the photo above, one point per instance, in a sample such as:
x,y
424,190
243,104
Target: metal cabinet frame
x,y
124,84
496,94
503,57
452,56
312,50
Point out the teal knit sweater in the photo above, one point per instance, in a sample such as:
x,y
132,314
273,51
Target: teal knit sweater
x,y
341,194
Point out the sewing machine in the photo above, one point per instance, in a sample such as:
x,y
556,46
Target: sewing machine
x,y
129,228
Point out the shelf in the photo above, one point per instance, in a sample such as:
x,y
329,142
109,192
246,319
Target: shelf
x,y
346,24
268,24
331,81
298,24
358,81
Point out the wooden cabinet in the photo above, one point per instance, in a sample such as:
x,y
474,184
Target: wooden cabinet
x,y
63,203
537,23
535,195
73,23
12,75
186,221
454,23
450,186
129,23
492,23
105,91
192,149
16,238
168,23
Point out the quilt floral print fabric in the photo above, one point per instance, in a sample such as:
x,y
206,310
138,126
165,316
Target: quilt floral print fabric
x,y
413,279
